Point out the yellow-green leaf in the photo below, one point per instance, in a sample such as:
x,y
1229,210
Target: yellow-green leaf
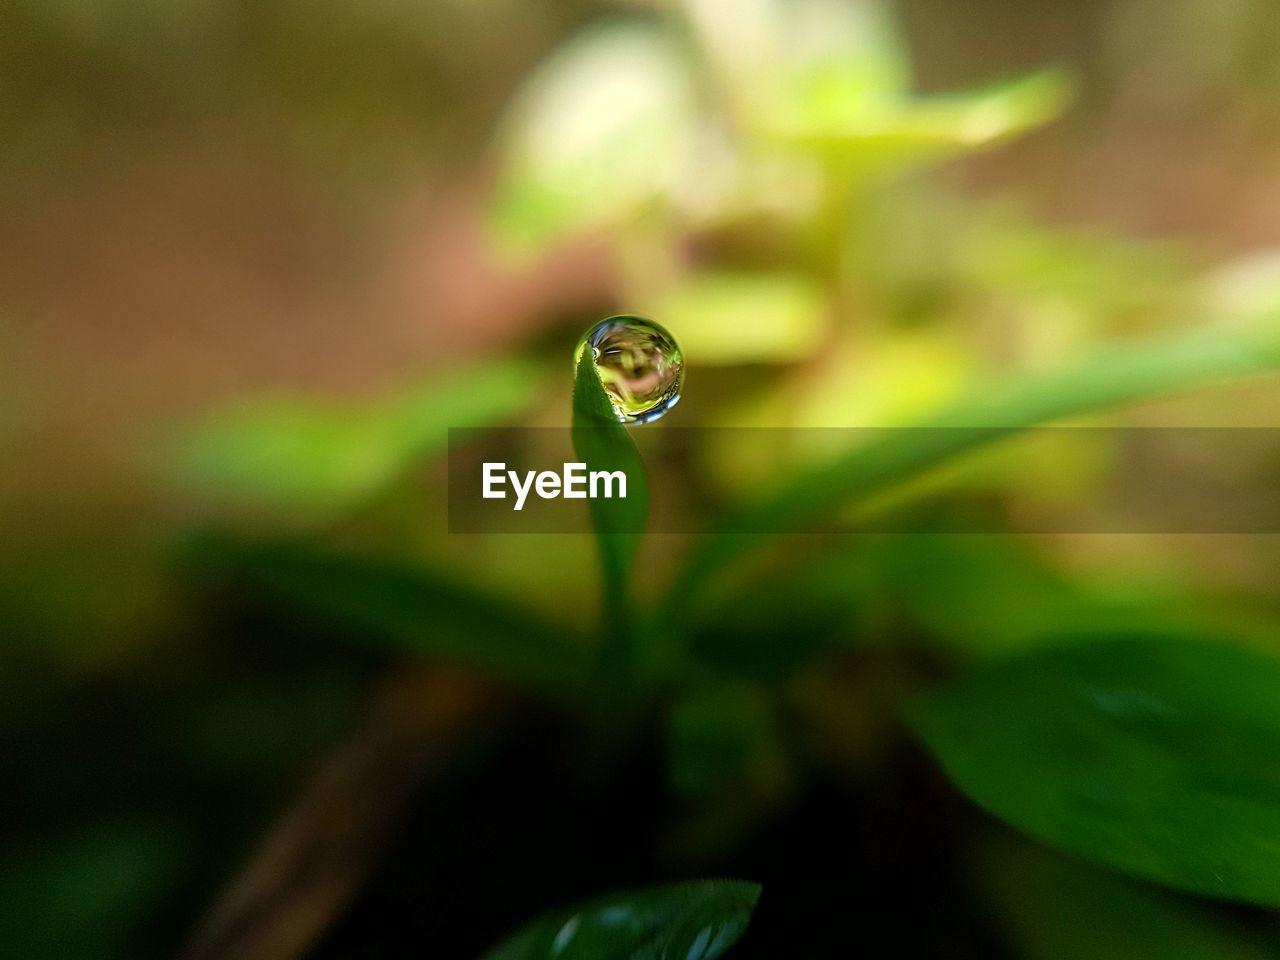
x,y
604,126
726,317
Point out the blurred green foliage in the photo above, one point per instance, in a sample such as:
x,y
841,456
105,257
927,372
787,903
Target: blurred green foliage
x,y
297,456
67,899
748,169
768,180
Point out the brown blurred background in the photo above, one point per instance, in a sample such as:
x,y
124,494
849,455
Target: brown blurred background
x,y
204,199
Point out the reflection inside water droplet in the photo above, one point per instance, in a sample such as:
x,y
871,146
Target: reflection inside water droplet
x,y
640,365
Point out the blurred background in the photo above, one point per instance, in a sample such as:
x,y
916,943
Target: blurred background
x,y
256,258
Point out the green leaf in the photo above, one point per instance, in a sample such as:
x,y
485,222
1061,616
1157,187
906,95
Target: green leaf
x,y
602,443
834,61
944,586
694,921
935,125
1108,379
723,734
1246,289
605,126
392,604
1089,270
1054,908
307,455
727,318
1153,756
91,892
775,622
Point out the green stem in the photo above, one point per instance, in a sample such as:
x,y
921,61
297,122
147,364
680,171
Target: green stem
x,y
604,444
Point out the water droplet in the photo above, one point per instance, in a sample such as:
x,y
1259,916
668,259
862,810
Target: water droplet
x,y
640,365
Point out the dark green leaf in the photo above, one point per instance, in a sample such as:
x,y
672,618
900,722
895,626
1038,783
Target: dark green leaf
x,y
1156,757
692,921
775,622
943,586
723,735
1054,908
87,894
404,607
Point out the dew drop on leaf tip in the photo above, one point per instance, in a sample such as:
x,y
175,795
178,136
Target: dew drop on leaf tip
x,y
640,366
